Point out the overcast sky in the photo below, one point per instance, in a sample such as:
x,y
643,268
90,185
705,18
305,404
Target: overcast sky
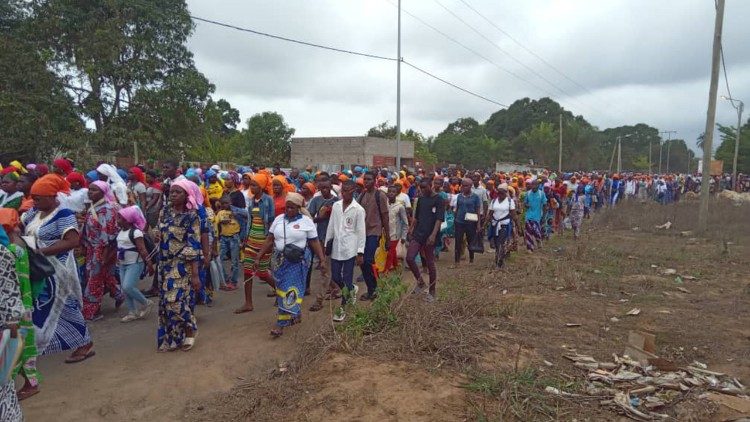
x,y
632,60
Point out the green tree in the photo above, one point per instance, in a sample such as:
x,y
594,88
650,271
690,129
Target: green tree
x,y
37,116
422,150
725,151
267,139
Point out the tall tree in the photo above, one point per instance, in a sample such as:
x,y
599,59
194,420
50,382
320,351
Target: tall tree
x,y
725,151
37,116
267,138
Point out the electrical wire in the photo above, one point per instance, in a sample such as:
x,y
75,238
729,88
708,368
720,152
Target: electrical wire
x,y
726,79
373,56
292,40
452,84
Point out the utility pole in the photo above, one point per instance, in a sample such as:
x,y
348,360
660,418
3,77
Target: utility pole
x,y
612,159
619,154
398,93
711,118
135,152
669,146
650,166
559,152
737,146
660,148
737,138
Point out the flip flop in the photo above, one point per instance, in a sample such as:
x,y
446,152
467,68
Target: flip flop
x,y
80,358
277,332
25,394
188,344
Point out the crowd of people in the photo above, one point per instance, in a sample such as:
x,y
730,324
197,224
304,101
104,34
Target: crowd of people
x,y
68,238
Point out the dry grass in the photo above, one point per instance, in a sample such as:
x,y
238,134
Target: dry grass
x,y
494,328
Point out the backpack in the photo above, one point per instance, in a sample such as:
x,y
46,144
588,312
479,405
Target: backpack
x,y
148,242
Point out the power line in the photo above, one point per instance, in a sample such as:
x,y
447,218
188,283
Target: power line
x,y
278,37
452,84
494,44
528,50
373,56
726,79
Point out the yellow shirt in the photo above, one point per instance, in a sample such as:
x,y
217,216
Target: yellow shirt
x,y
228,225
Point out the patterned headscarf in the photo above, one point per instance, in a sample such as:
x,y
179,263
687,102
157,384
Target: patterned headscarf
x,y
104,187
194,196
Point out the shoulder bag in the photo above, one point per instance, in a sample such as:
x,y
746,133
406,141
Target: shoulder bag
x,y
292,253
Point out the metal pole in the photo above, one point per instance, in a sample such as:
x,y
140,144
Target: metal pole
x,y
559,152
737,145
711,117
669,148
398,94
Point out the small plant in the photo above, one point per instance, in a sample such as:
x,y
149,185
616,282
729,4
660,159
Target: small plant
x,y
380,315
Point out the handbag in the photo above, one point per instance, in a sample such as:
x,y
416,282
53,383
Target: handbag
x,y
292,253
471,216
39,266
477,246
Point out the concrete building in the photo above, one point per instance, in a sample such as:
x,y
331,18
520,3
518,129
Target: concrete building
x,y
344,152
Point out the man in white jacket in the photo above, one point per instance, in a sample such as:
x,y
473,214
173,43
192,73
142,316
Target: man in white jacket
x,y
345,241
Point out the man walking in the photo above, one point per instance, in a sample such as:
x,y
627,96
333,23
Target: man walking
x,y
375,203
428,216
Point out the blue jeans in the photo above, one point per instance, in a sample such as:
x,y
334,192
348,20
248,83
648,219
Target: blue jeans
x,y
232,244
130,275
342,273
371,245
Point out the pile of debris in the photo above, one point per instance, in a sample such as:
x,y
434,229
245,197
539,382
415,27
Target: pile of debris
x,y
642,385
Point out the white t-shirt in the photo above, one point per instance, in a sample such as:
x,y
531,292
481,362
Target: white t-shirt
x,y
75,201
298,232
501,210
131,255
401,197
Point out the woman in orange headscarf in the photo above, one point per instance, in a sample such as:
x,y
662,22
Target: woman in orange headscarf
x,y
279,187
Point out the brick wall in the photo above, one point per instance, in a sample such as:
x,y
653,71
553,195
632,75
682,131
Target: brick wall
x,y
344,151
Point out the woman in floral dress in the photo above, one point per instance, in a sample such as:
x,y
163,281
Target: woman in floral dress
x,y
180,252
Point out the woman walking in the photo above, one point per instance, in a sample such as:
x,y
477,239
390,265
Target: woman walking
x,y
58,321
180,249
99,241
291,235
503,221
132,258
11,312
577,209
261,216
26,366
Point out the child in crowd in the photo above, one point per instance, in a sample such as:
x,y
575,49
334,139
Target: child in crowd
x,y
229,240
132,257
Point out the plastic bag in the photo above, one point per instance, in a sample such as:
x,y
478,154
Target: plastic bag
x,y
217,273
400,250
568,225
380,255
477,246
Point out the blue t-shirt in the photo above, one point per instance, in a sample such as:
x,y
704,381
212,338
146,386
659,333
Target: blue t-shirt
x,y
465,204
534,205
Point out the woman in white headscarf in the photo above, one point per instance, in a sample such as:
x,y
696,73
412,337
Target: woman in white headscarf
x,y
116,183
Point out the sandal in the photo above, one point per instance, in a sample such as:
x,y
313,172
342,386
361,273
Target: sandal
x,y
78,357
318,305
25,393
271,293
277,332
188,343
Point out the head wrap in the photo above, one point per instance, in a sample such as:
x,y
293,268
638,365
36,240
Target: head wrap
x,y
235,178
263,181
104,187
8,219
123,174
299,201
42,169
115,181
210,173
76,177
134,216
215,168
92,175
10,171
64,165
311,187
17,164
503,186
138,174
287,187
50,185
191,191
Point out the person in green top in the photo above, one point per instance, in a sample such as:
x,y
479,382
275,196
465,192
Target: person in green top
x,y
27,364
10,196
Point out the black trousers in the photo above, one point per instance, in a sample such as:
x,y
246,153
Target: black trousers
x,y
466,229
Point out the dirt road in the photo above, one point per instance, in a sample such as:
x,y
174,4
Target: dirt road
x,y
127,380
